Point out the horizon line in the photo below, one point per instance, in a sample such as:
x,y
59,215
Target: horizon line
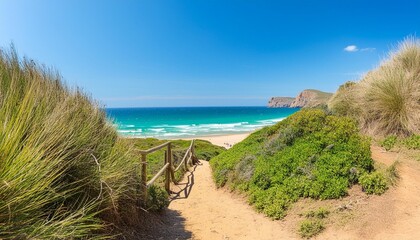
x,y
209,106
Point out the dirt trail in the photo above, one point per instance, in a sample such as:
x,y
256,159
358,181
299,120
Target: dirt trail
x,y
211,213
405,197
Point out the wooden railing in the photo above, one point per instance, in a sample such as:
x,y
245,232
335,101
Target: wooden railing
x,y
167,168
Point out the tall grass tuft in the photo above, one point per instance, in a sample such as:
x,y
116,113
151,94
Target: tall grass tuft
x,y
387,100
342,103
64,173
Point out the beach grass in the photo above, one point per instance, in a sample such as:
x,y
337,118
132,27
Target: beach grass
x,y
64,172
386,101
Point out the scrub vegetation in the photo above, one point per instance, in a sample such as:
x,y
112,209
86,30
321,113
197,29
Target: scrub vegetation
x,y
314,222
309,154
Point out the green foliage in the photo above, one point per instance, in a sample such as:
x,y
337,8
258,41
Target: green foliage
x,y
157,198
389,142
310,227
62,166
320,213
313,224
373,183
412,142
309,154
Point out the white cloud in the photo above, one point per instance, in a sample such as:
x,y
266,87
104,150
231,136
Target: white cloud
x,y
351,48
354,48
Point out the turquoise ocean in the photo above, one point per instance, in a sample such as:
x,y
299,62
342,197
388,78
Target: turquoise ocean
x,y
189,122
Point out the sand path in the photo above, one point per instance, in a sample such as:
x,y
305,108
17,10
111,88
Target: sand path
x,y
404,200
212,213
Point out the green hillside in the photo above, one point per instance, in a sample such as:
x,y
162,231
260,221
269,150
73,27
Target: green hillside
x,y
309,154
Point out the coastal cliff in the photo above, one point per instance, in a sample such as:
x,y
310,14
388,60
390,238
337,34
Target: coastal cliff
x,y
306,99
278,102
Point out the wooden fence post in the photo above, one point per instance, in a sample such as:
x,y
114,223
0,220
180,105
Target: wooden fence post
x,y
144,176
171,164
194,160
186,164
167,173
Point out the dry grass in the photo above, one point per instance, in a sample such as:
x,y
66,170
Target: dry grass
x,y
387,100
343,101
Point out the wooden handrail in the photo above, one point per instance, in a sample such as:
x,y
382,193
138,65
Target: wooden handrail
x,y
157,175
168,169
185,156
154,149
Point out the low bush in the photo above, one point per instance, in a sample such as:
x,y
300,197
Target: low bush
x,y
412,142
157,198
320,213
310,227
389,142
309,154
373,183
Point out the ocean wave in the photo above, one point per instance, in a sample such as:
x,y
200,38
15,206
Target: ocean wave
x,y
131,131
157,129
183,130
176,134
271,121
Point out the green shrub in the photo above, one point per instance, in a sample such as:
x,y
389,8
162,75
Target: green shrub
x,y
373,183
311,227
320,213
157,198
309,154
389,142
412,142
245,168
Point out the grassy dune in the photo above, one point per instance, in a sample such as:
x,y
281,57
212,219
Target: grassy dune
x,y
387,100
64,173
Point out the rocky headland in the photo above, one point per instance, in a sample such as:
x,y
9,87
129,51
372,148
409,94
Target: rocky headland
x,y
306,99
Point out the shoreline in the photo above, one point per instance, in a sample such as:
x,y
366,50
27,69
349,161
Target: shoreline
x,y
226,141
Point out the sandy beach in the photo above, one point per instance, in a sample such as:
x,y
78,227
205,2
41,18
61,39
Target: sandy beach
x,y
226,141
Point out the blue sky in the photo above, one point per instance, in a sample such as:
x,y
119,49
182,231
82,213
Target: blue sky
x,y
205,53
